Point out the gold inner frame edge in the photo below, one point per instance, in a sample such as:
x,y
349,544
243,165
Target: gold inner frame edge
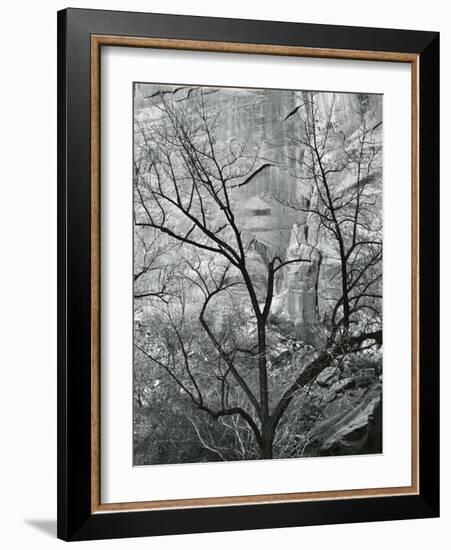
x,y
97,41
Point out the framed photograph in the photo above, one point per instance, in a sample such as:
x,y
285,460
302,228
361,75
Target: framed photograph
x,y
248,274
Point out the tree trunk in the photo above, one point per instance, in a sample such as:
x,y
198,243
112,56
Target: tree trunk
x,y
263,372
267,440
344,286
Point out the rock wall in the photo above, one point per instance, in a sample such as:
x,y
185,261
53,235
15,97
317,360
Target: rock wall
x,y
303,291
263,120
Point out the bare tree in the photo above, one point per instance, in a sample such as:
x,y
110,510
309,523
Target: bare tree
x,y
186,183
342,169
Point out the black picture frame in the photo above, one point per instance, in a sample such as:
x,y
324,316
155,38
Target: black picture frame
x,y
76,521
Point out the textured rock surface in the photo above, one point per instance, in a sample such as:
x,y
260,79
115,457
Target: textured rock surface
x,y
260,119
353,423
274,201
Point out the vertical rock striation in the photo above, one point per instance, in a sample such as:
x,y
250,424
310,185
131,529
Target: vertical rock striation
x,y
262,120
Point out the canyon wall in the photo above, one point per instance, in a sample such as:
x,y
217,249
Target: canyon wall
x,y
264,123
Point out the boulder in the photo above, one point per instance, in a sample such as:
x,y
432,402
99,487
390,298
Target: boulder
x,y
327,376
352,430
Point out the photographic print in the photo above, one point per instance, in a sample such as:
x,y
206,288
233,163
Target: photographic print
x,y
257,274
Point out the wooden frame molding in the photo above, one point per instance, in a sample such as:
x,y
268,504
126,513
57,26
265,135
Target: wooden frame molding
x,y
97,41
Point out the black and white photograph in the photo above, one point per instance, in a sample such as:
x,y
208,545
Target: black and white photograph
x,y
225,255
257,274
